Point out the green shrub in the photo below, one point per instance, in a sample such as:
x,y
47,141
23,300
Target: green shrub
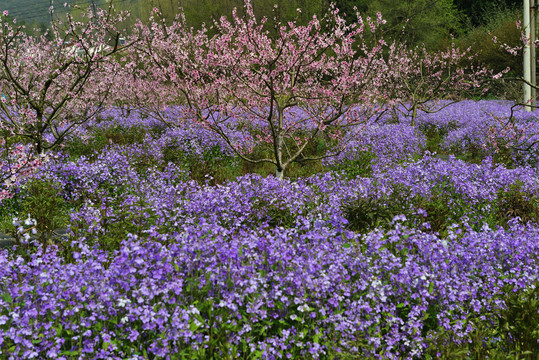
x,y
360,165
117,218
300,168
213,165
502,26
471,153
518,322
508,156
41,201
9,208
276,213
507,332
441,208
367,213
45,204
516,202
101,137
434,135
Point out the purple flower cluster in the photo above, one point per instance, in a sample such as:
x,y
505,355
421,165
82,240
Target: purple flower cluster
x,y
389,143
283,293
486,126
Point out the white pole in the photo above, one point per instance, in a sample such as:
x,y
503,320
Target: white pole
x,y
527,57
533,58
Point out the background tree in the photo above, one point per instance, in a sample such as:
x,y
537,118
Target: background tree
x,y
479,12
502,26
417,22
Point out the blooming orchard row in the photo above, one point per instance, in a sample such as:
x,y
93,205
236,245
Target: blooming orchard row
x,y
340,75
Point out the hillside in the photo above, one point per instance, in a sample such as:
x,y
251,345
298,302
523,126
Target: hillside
x,y
38,10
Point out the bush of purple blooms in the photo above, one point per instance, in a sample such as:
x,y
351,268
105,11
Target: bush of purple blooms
x,y
423,256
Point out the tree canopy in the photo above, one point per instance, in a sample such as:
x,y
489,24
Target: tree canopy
x,y
427,21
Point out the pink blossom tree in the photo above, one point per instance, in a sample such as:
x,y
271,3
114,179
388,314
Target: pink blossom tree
x,y
509,133
49,87
419,79
164,69
281,89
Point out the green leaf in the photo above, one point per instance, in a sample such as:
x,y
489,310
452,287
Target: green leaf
x,y
106,345
431,287
70,352
193,326
7,297
346,245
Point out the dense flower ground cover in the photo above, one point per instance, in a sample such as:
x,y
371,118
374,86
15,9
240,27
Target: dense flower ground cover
x,y
420,240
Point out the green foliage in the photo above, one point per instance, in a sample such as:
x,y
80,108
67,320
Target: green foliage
x,y
275,213
519,320
440,209
435,134
508,332
479,12
515,201
507,155
212,165
45,204
301,167
198,12
10,208
40,200
122,210
359,165
101,137
418,22
471,153
31,10
439,214
366,213
502,25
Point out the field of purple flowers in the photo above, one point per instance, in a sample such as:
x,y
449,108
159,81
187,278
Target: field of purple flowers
x,y
419,241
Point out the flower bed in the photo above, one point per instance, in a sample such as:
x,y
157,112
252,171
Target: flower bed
x,y
419,258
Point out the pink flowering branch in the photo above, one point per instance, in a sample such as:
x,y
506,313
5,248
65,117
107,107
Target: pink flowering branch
x,y
517,50
17,162
509,132
420,79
